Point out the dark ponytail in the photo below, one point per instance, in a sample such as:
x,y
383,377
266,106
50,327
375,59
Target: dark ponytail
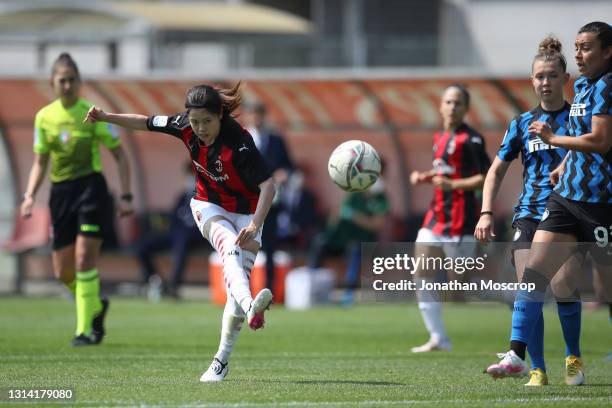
x,y
66,60
213,99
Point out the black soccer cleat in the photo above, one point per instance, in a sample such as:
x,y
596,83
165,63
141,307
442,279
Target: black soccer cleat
x,y
82,340
97,325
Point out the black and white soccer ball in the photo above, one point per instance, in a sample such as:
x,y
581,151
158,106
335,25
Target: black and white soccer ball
x,y
354,166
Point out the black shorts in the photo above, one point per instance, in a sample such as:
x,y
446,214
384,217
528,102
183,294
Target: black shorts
x,y
524,230
590,223
79,206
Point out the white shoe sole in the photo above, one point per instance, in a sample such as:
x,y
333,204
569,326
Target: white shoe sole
x,y
214,377
262,301
210,375
576,380
205,379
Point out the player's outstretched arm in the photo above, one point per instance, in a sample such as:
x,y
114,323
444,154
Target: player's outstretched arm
x,y
131,121
471,183
419,177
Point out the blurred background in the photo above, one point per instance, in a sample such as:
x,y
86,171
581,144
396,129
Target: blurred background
x,y
327,71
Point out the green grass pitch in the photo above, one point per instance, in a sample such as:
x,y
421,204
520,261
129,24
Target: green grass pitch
x,y
327,357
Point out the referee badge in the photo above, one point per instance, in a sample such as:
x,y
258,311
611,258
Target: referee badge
x,y
65,136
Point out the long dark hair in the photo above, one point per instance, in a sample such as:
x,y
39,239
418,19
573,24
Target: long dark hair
x,y
214,99
66,60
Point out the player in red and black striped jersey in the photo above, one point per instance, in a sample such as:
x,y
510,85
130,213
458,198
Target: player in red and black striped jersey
x,y
233,196
460,163
459,154
229,171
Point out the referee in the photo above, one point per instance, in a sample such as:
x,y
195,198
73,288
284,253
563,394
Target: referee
x,y
78,193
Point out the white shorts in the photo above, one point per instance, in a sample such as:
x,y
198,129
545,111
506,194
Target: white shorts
x,y
203,211
454,247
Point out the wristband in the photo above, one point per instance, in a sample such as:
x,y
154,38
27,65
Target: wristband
x,y
127,197
486,213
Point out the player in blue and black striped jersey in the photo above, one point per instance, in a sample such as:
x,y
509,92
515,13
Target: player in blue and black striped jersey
x,y
539,159
580,208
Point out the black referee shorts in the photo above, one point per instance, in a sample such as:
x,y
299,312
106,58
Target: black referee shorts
x,y
588,222
79,207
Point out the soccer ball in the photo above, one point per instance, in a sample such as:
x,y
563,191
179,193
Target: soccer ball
x,y
354,166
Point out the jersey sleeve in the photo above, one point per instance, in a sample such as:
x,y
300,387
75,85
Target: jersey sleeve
x,y
250,163
108,134
481,160
170,125
511,145
41,144
602,103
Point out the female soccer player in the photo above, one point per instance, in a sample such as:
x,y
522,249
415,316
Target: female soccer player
x,y
78,193
580,207
234,192
459,167
539,160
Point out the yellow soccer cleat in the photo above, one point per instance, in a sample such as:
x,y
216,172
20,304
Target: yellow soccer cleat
x,y
537,378
574,370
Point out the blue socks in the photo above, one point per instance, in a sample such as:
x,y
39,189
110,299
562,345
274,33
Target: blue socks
x,y
527,312
570,314
570,317
528,322
535,347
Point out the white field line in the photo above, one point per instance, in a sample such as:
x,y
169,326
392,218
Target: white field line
x,y
332,404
